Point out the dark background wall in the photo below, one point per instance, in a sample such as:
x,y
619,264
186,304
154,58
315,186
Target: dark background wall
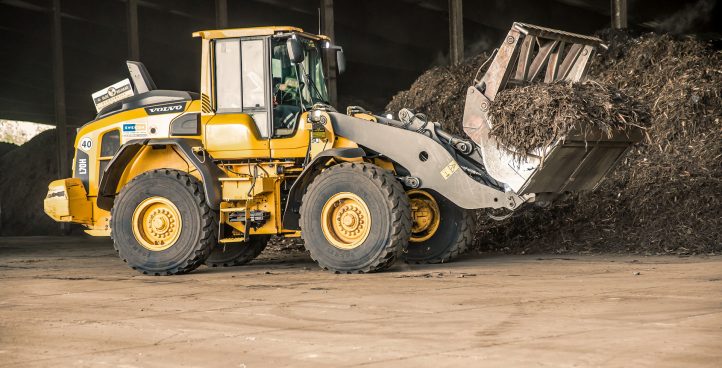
x,y
388,43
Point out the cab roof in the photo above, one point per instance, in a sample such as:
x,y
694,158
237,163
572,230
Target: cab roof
x,y
254,31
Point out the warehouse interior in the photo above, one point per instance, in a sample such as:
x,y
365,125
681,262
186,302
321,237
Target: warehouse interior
x,y
56,53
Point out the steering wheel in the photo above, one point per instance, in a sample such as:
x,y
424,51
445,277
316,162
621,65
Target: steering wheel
x,y
286,94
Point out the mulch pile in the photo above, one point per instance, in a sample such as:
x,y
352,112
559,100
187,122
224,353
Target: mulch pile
x,y
25,173
439,93
6,147
666,197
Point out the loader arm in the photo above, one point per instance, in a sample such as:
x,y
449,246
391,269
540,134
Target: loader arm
x,y
427,160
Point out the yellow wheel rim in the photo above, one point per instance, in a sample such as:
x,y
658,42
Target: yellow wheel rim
x,y
156,223
345,220
425,215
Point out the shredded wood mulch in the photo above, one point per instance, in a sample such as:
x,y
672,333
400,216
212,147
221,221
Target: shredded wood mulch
x,y
665,198
439,93
539,115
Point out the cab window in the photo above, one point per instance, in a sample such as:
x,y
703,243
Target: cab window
x,y
286,90
109,145
295,87
241,79
228,75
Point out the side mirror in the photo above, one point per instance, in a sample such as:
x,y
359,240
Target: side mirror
x,y
340,60
295,50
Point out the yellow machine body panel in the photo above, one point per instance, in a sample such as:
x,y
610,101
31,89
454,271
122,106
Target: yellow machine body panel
x,y
254,31
233,136
294,146
150,158
100,139
67,201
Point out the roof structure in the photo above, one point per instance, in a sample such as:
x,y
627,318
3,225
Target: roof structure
x,y
387,43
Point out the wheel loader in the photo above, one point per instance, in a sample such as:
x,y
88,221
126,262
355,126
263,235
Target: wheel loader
x,y
179,179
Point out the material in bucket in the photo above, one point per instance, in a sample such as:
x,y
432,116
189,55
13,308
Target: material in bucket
x,y
575,162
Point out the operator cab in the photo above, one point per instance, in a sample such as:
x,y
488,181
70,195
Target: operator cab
x,y
272,74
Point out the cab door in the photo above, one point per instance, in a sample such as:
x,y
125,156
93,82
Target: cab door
x,y
241,125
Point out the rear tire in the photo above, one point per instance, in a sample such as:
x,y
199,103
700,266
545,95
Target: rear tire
x,y
237,254
162,205
452,238
355,218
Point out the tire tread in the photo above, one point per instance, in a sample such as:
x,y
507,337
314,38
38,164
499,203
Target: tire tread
x,y
460,246
396,200
208,216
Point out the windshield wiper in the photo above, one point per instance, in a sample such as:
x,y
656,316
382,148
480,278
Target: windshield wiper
x,y
313,86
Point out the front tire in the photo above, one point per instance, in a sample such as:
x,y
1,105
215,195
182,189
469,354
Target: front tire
x,y
161,223
355,218
441,230
237,254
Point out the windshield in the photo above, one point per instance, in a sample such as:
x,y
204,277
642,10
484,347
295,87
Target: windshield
x,y
309,88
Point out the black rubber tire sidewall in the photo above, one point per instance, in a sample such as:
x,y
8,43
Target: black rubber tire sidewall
x,y
182,256
450,240
237,254
370,254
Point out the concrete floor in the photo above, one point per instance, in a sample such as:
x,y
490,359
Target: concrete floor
x,y
70,302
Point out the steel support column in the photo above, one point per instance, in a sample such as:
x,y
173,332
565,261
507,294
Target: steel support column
x,y
61,126
222,14
59,92
619,14
133,40
456,31
327,28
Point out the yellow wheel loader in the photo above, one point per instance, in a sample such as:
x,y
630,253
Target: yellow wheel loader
x,y
179,178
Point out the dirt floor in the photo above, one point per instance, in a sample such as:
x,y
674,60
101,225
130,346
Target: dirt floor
x,y
70,302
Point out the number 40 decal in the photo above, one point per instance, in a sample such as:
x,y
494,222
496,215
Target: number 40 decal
x,y
86,144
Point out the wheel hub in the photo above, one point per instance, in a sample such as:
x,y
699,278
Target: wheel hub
x,y
156,223
425,215
422,215
345,220
161,222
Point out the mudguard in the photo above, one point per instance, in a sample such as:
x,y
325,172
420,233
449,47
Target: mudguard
x,y
208,170
291,214
425,159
